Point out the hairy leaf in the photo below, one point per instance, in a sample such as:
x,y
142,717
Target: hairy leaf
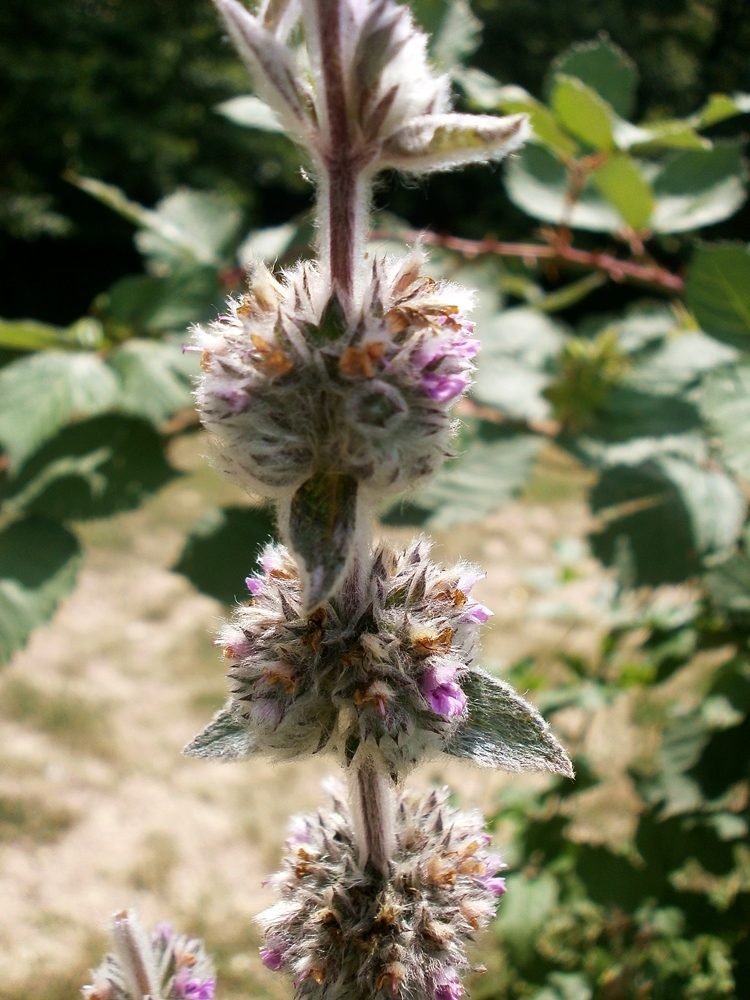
x,y
503,730
250,112
321,526
224,737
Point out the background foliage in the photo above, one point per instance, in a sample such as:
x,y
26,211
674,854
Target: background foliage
x,y
619,334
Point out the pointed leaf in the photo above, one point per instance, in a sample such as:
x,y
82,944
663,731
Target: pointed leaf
x,y
322,523
39,560
273,71
582,112
224,737
605,68
440,142
624,186
718,291
503,730
268,244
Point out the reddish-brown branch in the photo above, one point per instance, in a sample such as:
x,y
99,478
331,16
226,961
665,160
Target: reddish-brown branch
x,y
618,270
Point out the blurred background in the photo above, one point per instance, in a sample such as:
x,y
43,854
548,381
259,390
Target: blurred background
x,y
601,480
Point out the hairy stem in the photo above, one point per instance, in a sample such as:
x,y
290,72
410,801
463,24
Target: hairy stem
x,y
342,198
373,813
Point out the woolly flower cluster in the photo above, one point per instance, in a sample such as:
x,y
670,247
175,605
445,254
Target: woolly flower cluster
x,y
292,385
160,966
388,666
342,932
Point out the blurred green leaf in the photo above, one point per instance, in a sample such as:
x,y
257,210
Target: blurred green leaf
x,y
677,363
720,107
718,290
624,186
518,346
538,184
603,67
456,36
493,466
156,378
222,549
724,401
729,587
31,335
714,502
582,112
39,560
698,188
250,112
41,393
102,466
142,303
268,244
193,226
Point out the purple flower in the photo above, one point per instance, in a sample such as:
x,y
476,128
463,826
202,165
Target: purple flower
x,y
267,710
163,933
298,832
496,884
253,584
271,958
444,388
467,580
445,697
193,989
478,613
235,399
493,863
446,985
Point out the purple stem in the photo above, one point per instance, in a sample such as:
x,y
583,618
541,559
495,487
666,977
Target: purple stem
x,y
341,160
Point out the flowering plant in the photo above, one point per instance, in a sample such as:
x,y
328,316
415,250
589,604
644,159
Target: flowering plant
x,y
328,390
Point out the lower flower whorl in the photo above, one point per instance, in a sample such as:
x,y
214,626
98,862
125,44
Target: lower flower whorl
x,y
347,934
